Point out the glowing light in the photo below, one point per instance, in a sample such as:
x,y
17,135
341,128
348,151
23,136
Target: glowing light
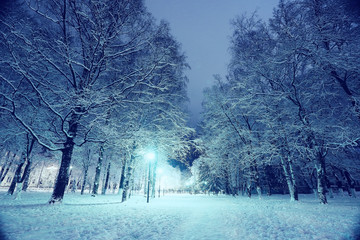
x,y
149,156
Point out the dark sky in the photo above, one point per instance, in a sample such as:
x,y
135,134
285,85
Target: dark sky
x,y
3,4
203,28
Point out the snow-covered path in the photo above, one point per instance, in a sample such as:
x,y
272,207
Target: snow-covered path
x,y
204,220
225,217
177,217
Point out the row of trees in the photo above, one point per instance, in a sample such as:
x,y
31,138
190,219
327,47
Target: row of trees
x,y
289,107
100,74
118,175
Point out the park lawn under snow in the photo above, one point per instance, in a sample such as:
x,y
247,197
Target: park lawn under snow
x,y
177,217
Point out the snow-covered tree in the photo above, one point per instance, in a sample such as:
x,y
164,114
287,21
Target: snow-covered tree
x,y
284,98
86,60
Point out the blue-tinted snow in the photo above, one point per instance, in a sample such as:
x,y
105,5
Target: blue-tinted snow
x,y
178,217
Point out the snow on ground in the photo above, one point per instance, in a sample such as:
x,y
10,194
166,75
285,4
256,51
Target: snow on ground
x,y
177,217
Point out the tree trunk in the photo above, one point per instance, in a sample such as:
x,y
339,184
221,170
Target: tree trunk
x,y
288,180
17,176
63,175
351,184
3,167
238,183
339,185
128,179
41,171
228,187
103,181
258,190
248,188
321,178
84,181
106,180
122,177
257,180
338,181
24,180
148,183
145,182
311,182
328,186
153,180
6,167
131,188
294,184
70,182
62,179
268,176
98,171
27,175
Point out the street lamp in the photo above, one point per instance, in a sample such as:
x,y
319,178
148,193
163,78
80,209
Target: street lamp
x,y
150,156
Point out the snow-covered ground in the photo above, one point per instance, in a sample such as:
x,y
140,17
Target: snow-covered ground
x,y
177,217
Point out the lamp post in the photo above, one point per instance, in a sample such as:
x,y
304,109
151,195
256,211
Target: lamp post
x,y
150,156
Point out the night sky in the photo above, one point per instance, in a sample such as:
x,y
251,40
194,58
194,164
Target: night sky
x,y
203,28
